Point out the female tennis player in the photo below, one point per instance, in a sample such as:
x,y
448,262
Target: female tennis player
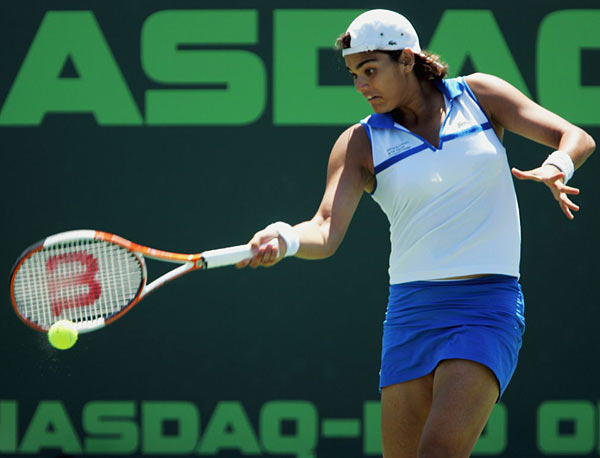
x,y
432,157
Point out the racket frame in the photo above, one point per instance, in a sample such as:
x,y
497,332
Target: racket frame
x,y
189,262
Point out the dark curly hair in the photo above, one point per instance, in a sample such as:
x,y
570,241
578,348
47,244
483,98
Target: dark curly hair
x,y
428,66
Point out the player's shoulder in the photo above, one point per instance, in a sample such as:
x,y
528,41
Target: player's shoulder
x,y
354,140
494,93
482,79
355,130
353,145
485,85
354,136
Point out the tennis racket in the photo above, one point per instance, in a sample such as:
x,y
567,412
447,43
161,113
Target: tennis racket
x,y
93,278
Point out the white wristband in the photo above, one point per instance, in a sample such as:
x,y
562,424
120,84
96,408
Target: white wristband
x,y
563,162
289,236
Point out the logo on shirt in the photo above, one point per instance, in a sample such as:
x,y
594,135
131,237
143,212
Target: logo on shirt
x,y
392,151
460,122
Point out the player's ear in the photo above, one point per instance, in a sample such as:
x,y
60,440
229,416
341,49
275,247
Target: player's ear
x,y
407,59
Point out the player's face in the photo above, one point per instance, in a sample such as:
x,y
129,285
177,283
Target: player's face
x,y
379,79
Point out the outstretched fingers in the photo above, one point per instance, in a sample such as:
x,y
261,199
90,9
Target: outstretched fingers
x,y
568,189
567,205
526,175
537,175
555,181
561,193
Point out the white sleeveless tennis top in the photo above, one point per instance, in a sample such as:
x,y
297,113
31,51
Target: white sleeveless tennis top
x,y
452,210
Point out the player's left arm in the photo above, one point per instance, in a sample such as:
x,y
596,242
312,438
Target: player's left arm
x,y
508,108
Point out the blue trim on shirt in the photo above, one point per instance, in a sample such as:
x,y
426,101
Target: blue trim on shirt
x,y
374,187
446,138
472,95
470,130
365,125
392,160
451,88
380,120
368,131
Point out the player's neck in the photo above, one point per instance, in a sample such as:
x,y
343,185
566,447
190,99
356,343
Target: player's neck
x,y
422,106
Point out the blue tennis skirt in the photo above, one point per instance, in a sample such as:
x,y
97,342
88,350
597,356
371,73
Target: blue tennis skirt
x,y
479,319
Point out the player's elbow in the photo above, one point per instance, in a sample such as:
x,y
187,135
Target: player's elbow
x,y
587,147
330,248
590,143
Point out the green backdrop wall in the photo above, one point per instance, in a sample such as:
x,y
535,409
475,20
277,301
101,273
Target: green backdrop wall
x,y
190,125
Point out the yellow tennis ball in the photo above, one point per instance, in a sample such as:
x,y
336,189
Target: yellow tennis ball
x,y
62,334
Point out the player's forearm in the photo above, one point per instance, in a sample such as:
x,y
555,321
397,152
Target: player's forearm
x,y
316,240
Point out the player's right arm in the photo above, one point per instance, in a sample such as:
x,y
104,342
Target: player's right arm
x,y
349,173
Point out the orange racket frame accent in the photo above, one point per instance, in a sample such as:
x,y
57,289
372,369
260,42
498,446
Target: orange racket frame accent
x,y
189,262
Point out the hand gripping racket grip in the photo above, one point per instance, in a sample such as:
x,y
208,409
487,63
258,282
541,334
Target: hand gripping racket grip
x,y
232,255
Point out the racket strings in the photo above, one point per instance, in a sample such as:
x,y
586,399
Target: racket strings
x,y
79,280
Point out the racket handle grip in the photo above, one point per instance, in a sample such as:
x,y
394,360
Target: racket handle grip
x,y
232,255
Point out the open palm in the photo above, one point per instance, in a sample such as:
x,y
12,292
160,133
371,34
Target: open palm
x,y
554,179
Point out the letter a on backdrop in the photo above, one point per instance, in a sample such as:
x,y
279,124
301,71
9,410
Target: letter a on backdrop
x,y
98,87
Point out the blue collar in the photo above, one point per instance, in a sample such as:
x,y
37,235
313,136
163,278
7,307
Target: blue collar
x,y
451,88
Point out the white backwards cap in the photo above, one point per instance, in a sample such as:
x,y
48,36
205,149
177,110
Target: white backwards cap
x,y
381,30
